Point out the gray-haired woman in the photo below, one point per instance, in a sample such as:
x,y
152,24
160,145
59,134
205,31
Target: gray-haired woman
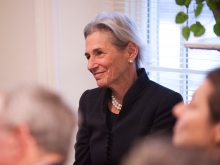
x,y
127,105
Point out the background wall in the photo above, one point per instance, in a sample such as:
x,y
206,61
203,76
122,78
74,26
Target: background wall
x,y
73,16
18,60
42,41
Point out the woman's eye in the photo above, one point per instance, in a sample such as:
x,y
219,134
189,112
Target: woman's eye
x,y
99,52
88,57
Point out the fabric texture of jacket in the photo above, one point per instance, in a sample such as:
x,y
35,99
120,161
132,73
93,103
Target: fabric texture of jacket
x,y
146,110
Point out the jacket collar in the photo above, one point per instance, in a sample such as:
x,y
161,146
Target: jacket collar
x,y
133,91
137,86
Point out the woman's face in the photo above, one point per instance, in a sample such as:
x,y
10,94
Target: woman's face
x,y
105,61
194,127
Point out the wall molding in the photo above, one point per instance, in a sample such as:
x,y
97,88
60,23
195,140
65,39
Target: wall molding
x,y
47,43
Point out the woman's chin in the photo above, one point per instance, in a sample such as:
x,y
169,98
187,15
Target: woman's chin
x,y
101,84
181,142
177,141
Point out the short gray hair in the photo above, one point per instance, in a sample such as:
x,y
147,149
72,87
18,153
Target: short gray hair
x,y
48,117
123,29
160,151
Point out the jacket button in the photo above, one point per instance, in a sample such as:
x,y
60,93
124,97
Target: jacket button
x,y
109,158
108,148
109,143
108,153
110,138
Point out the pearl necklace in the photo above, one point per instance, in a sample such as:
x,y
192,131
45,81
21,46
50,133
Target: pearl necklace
x,y
115,103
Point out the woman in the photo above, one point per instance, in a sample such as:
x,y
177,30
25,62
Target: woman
x,y
198,123
127,105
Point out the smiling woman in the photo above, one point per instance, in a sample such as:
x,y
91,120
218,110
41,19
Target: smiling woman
x,y
127,105
108,64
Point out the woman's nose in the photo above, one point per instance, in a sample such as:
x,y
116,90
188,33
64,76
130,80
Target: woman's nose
x,y
91,64
178,109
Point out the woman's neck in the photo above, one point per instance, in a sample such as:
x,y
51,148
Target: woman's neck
x,y
119,90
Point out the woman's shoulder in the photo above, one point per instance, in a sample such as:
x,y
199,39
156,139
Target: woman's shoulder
x,y
90,97
159,87
163,91
93,92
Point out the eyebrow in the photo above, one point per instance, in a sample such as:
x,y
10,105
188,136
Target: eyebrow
x,y
86,54
94,51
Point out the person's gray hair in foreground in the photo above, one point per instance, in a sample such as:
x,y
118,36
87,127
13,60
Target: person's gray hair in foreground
x,y
159,151
37,126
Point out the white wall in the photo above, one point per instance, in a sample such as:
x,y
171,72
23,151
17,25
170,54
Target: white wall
x,y
27,44
17,42
73,15
42,41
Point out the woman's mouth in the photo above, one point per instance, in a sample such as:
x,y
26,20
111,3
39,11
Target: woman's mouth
x,y
98,75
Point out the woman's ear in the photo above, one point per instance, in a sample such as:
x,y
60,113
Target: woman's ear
x,y
132,50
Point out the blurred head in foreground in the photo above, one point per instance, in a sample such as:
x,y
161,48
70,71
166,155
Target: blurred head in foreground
x,y
35,126
162,152
198,123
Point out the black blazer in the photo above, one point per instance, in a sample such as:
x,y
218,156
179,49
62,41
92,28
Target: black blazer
x,y
146,109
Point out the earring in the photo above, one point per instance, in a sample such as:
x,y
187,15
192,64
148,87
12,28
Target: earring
x,y
130,61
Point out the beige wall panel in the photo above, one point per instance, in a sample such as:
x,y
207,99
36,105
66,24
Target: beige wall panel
x,y
73,15
17,42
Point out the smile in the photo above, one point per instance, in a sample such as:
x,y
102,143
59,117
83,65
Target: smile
x,y
97,75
